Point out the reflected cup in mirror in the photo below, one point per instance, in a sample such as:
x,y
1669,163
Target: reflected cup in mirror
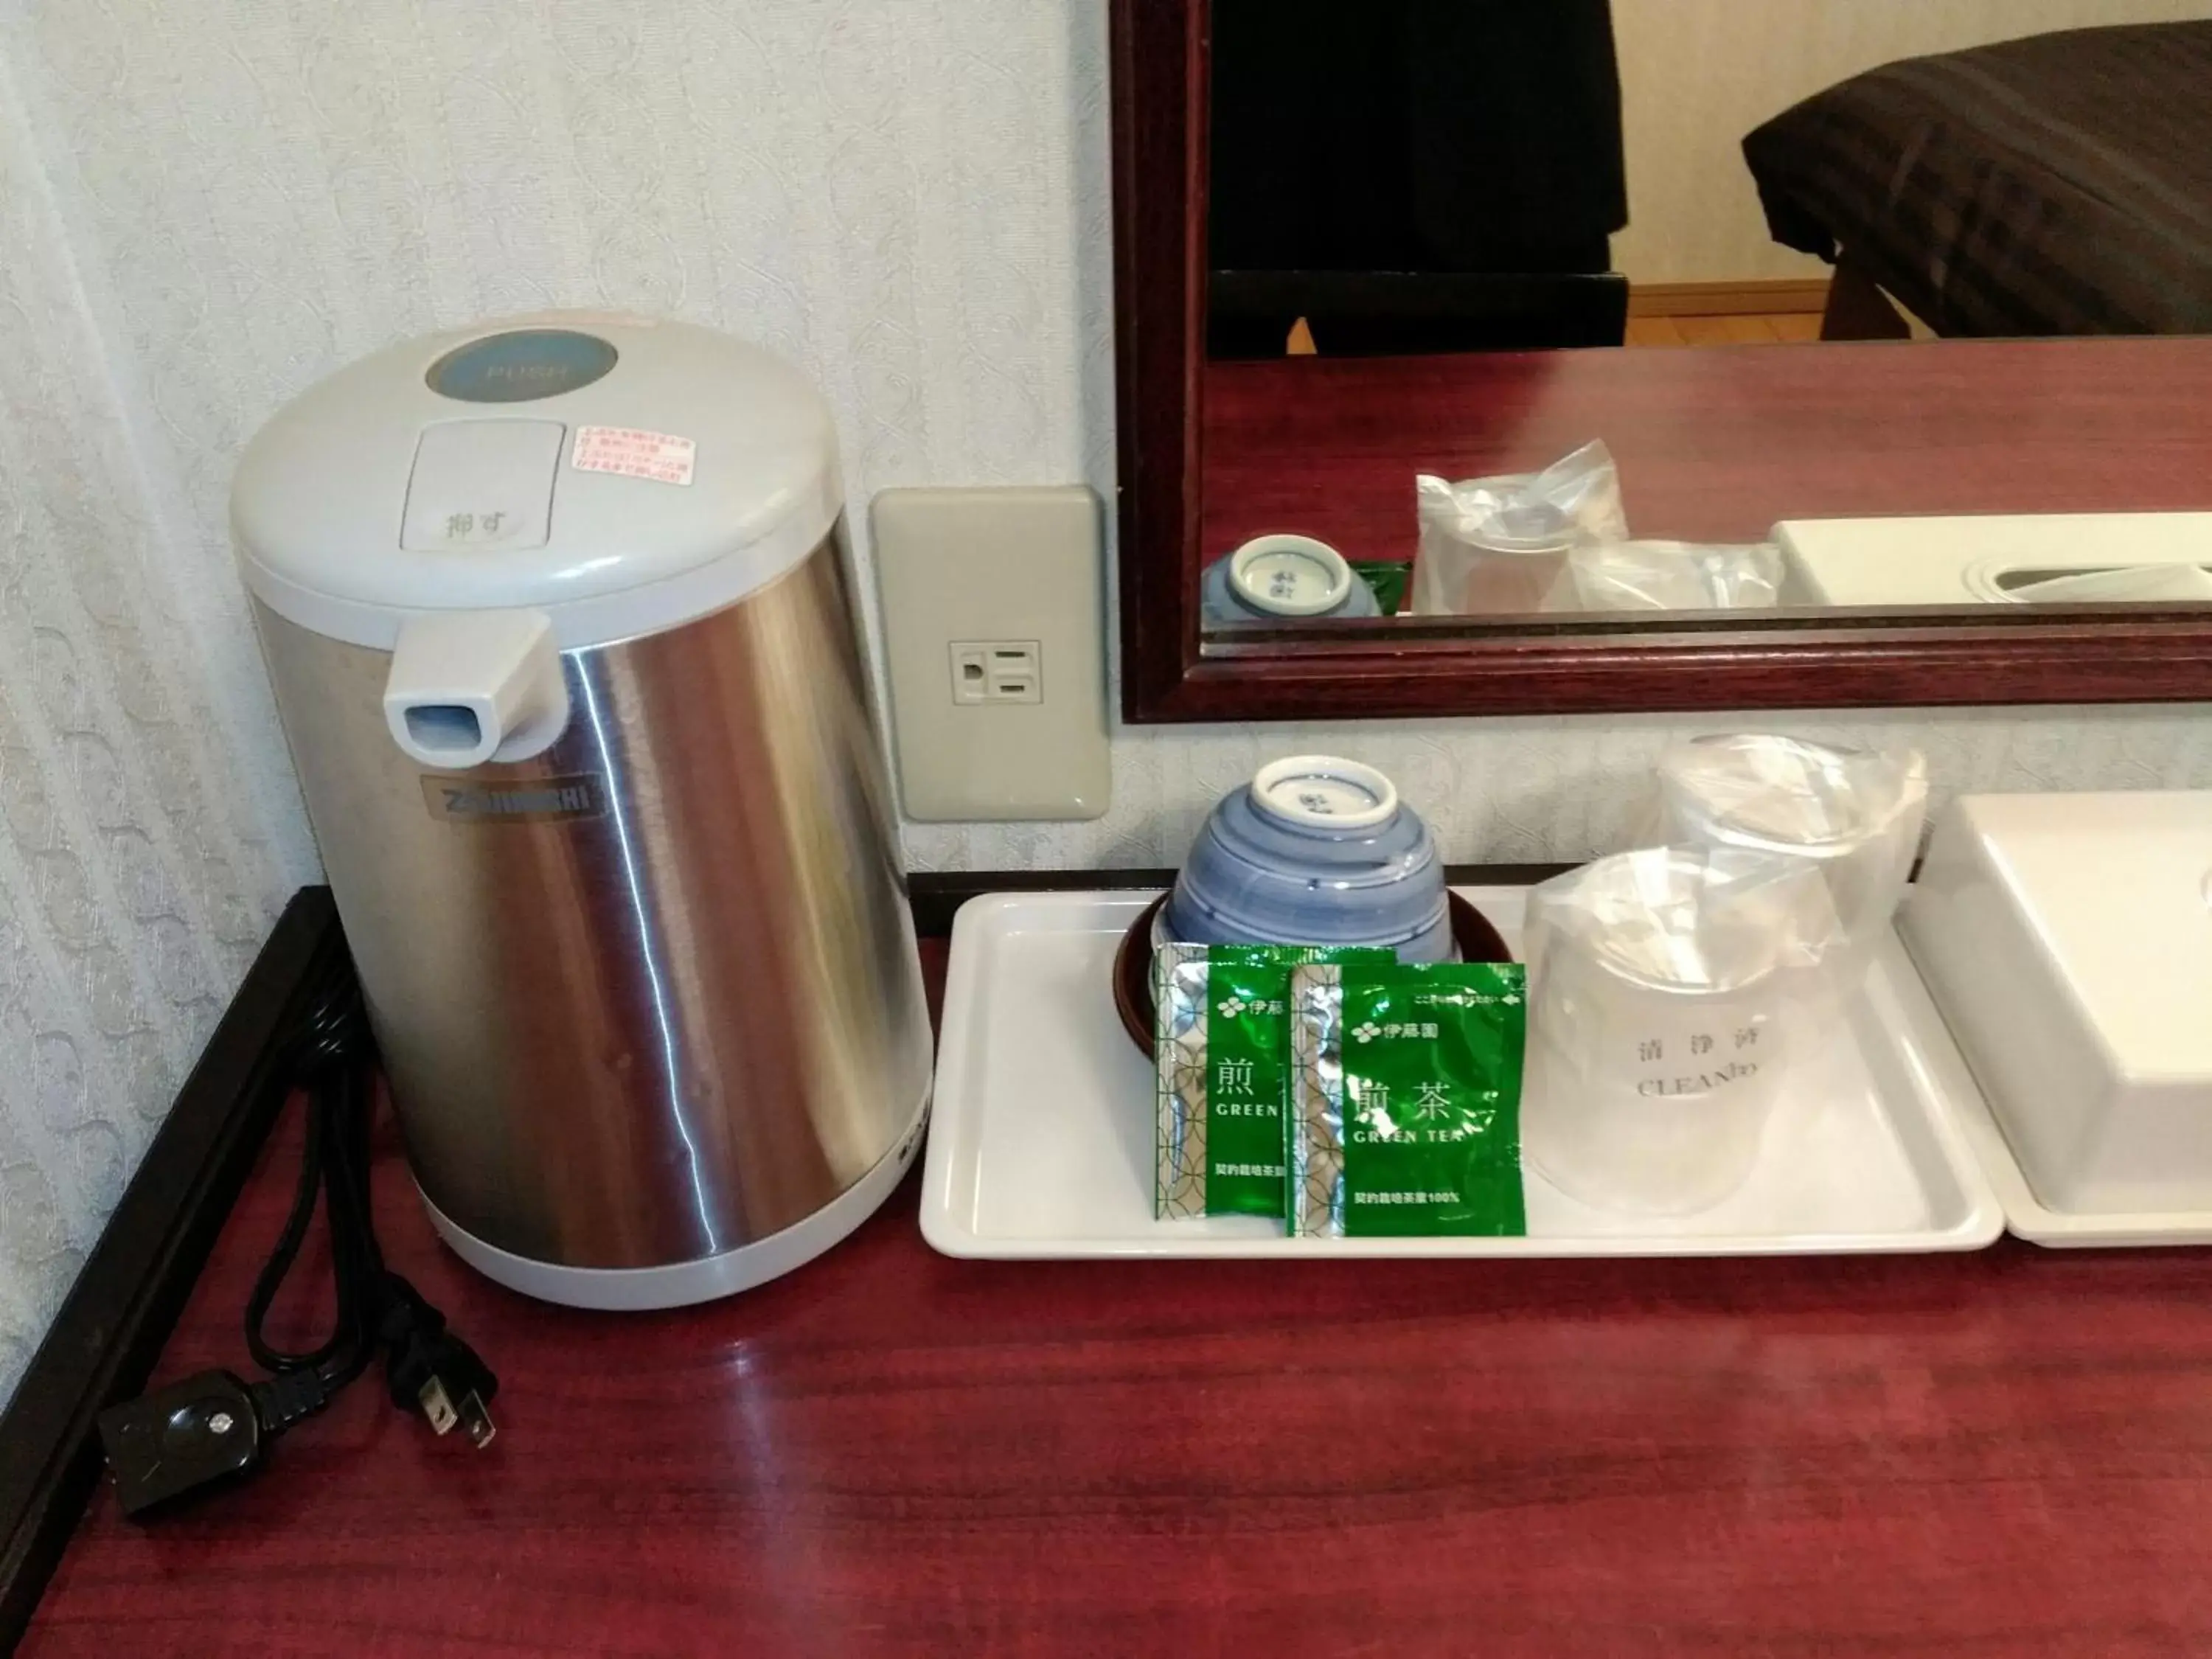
x,y
1280,579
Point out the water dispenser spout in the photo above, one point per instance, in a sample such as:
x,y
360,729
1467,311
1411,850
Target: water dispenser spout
x,y
472,686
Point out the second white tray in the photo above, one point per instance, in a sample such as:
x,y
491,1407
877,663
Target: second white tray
x,y
1041,1144
2026,1216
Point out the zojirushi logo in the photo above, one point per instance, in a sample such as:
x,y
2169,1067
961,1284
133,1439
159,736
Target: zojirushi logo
x,y
465,800
513,803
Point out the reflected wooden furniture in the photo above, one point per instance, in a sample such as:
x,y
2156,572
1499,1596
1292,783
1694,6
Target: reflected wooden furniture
x,y
1857,309
1714,444
890,1453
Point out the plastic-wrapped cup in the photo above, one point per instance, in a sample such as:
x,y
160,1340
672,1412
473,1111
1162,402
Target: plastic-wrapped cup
x,y
1663,1012
1855,814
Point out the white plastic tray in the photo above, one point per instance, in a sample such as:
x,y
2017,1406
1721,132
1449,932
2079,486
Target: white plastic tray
x,y
1041,1143
2039,919
2028,1217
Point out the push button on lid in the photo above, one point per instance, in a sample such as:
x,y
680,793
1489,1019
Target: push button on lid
x,y
483,485
521,365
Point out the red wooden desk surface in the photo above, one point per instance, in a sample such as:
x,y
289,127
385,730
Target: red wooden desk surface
x,y
1718,443
893,1453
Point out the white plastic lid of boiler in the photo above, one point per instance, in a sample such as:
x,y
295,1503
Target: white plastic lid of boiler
x,y
623,475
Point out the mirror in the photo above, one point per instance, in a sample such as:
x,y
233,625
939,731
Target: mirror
x,y
1537,318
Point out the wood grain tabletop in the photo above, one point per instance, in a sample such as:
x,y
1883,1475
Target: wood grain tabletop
x,y
893,1453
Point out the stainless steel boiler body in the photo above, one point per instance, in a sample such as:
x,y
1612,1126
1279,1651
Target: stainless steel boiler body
x,y
650,996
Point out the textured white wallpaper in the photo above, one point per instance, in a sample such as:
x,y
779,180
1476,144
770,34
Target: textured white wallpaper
x,y
133,888
204,204
906,196
1519,791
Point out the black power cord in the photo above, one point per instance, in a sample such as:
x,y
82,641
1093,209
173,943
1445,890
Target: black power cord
x,y
215,1427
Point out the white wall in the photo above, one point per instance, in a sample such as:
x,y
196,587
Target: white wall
x,y
135,876
207,204
1698,75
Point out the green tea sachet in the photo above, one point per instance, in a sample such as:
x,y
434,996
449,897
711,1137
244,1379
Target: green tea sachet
x,y
1222,1040
1406,1099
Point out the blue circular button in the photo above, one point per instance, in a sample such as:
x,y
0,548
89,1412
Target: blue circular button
x,y
516,368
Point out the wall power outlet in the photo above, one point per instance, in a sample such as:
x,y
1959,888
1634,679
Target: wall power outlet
x,y
994,603
998,670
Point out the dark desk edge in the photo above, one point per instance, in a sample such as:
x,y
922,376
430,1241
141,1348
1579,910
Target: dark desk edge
x,y
119,1314
117,1317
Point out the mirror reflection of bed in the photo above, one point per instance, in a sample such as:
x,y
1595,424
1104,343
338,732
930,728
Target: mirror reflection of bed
x,y
1401,188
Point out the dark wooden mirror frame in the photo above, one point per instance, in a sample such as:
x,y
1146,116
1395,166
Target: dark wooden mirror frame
x,y
1404,668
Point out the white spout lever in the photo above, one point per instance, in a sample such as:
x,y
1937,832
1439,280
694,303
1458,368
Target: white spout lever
x,y
472,686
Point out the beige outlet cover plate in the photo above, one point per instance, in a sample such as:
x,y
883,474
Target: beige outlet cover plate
x,y
959,572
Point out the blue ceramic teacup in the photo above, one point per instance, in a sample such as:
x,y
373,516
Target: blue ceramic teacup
x,y
1274,578
1314,850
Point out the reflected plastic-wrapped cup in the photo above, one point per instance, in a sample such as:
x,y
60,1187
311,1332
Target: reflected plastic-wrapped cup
x,y
1665,1005
1501,546
1514,563
1855,814
1677,576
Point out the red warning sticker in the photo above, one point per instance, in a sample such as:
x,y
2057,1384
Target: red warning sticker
x,y
659,456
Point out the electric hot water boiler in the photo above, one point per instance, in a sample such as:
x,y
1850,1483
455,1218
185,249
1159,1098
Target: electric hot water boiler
x,y
564,651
